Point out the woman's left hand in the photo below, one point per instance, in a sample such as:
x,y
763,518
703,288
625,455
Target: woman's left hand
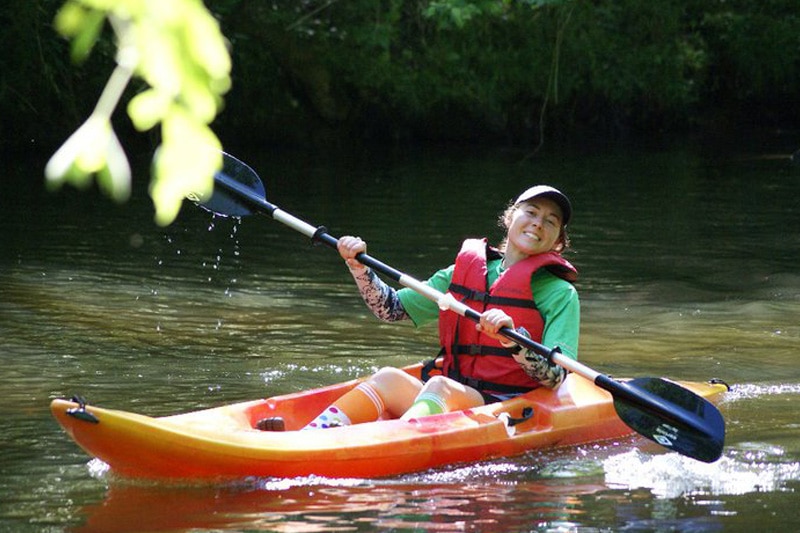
x,y
492,321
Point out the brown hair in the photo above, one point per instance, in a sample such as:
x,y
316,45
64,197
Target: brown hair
x,y
504,221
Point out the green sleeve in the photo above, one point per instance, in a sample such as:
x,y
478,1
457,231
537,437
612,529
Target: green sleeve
x,y
558,302
422,310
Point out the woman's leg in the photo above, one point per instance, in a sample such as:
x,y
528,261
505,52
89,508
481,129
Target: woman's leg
x,y
390,390
442,395
397,388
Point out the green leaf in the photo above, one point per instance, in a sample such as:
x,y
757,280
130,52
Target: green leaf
x,y
82,25
92,149
176,47
115,177
184,163
207,45
70,19
84,41
147,108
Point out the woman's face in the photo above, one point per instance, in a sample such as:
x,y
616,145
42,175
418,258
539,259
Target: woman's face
x,y
535,226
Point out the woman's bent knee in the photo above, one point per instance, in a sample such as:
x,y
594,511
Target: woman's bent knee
x,y
397,388
457,395
439,384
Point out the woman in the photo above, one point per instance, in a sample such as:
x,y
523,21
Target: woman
x,y
529,289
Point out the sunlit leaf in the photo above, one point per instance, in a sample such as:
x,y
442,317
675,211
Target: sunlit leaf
x,y
85,150
184,164
70,174
115,177
177,48
207,45
106,5
94,141
70,19
85,39
159,64
92,150
199,101
147,108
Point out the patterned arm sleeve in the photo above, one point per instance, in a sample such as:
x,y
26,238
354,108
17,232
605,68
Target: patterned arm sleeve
x,y
380,298
537,366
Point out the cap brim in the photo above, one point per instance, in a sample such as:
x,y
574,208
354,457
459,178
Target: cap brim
x,y
548,192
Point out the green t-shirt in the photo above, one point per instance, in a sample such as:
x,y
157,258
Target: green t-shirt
x,y
556,299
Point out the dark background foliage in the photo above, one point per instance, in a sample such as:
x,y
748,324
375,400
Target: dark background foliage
x,y
507,72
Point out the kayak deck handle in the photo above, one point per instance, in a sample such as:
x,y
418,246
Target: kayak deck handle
x,y
718,381
80,412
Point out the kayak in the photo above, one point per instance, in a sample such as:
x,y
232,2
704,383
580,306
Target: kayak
x,y
223,442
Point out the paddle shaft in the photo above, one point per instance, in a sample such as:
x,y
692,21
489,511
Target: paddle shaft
x,y
444,301
620,390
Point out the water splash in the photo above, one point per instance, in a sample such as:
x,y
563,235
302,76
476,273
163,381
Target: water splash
x,y
98,469
277,484
749,391
754,468
216,265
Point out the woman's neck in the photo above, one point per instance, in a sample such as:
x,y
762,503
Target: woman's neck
x,y
512,257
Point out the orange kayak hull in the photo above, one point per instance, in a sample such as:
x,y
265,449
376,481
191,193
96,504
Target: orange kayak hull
x,y
222,442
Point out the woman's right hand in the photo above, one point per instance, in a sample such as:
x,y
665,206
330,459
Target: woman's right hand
x,y
349,247
490,323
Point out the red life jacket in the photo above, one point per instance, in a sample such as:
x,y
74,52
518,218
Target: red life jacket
x,y
476,359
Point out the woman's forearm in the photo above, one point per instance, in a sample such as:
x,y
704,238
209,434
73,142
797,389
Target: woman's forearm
x,y
380,298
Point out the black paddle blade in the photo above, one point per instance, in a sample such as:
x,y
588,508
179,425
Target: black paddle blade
x,y
228,202
693,426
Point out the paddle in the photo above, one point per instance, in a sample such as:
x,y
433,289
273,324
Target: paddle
x,y
660,410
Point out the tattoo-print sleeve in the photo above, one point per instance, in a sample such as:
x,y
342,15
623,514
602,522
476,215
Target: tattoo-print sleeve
x,y
380,298
538,367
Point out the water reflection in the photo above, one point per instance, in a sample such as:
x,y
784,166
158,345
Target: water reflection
x,y
616,486
689,271
431,503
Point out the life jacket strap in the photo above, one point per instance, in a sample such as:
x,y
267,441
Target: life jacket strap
x,y
487,386
432,366
485,298
480,349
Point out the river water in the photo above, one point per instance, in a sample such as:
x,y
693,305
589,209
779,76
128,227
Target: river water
x,y
688,259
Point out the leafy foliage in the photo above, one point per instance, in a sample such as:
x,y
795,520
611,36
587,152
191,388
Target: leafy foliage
x,y
471,69
330,71
176,47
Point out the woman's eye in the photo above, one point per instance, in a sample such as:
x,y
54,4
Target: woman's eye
x,y
549,220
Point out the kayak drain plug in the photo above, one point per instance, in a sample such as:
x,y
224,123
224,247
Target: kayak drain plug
x,y
80,412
